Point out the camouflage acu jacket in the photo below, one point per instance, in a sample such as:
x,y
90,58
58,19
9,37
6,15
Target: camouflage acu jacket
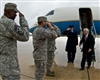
x,y
10,32
40,37
51,42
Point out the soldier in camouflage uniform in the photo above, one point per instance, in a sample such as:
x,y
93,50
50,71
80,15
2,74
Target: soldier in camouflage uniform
x,y
10,32
50,52
40,37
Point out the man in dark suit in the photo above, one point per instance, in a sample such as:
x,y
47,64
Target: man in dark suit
x,y
88,42
72,42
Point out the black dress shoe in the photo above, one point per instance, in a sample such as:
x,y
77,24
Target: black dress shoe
x,y
72,61
88,67
81,69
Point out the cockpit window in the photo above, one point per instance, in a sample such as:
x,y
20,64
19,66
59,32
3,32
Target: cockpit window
x,y
50,13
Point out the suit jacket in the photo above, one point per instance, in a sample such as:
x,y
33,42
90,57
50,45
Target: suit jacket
x,y
72,40
88,43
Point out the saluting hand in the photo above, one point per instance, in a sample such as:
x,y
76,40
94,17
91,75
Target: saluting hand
x,y
20,14
68,29
49,25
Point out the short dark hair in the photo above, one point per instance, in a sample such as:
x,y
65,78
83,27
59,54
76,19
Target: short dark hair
x,y
71,26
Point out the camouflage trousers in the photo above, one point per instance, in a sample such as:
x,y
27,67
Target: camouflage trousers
x,y
40,69
50,59
12,77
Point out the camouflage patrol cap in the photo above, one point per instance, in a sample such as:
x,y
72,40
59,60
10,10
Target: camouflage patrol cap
x,y
42,18
9,6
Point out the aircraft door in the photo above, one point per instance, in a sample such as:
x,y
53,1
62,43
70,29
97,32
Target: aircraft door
x,y
86,20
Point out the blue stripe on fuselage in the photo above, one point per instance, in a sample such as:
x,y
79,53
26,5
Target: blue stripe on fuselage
x,y
64,25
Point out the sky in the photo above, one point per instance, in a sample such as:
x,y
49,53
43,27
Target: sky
x,y
34,8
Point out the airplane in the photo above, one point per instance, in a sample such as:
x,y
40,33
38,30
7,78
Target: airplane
x,y
62,17
79,17
65,16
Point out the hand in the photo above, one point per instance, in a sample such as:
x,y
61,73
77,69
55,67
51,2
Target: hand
x,y
49,25
89,50
68,29
20,14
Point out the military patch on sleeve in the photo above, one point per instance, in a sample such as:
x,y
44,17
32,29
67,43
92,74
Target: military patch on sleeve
x,y
19,30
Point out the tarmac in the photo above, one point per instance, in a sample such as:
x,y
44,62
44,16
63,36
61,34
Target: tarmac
x,y
63,70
